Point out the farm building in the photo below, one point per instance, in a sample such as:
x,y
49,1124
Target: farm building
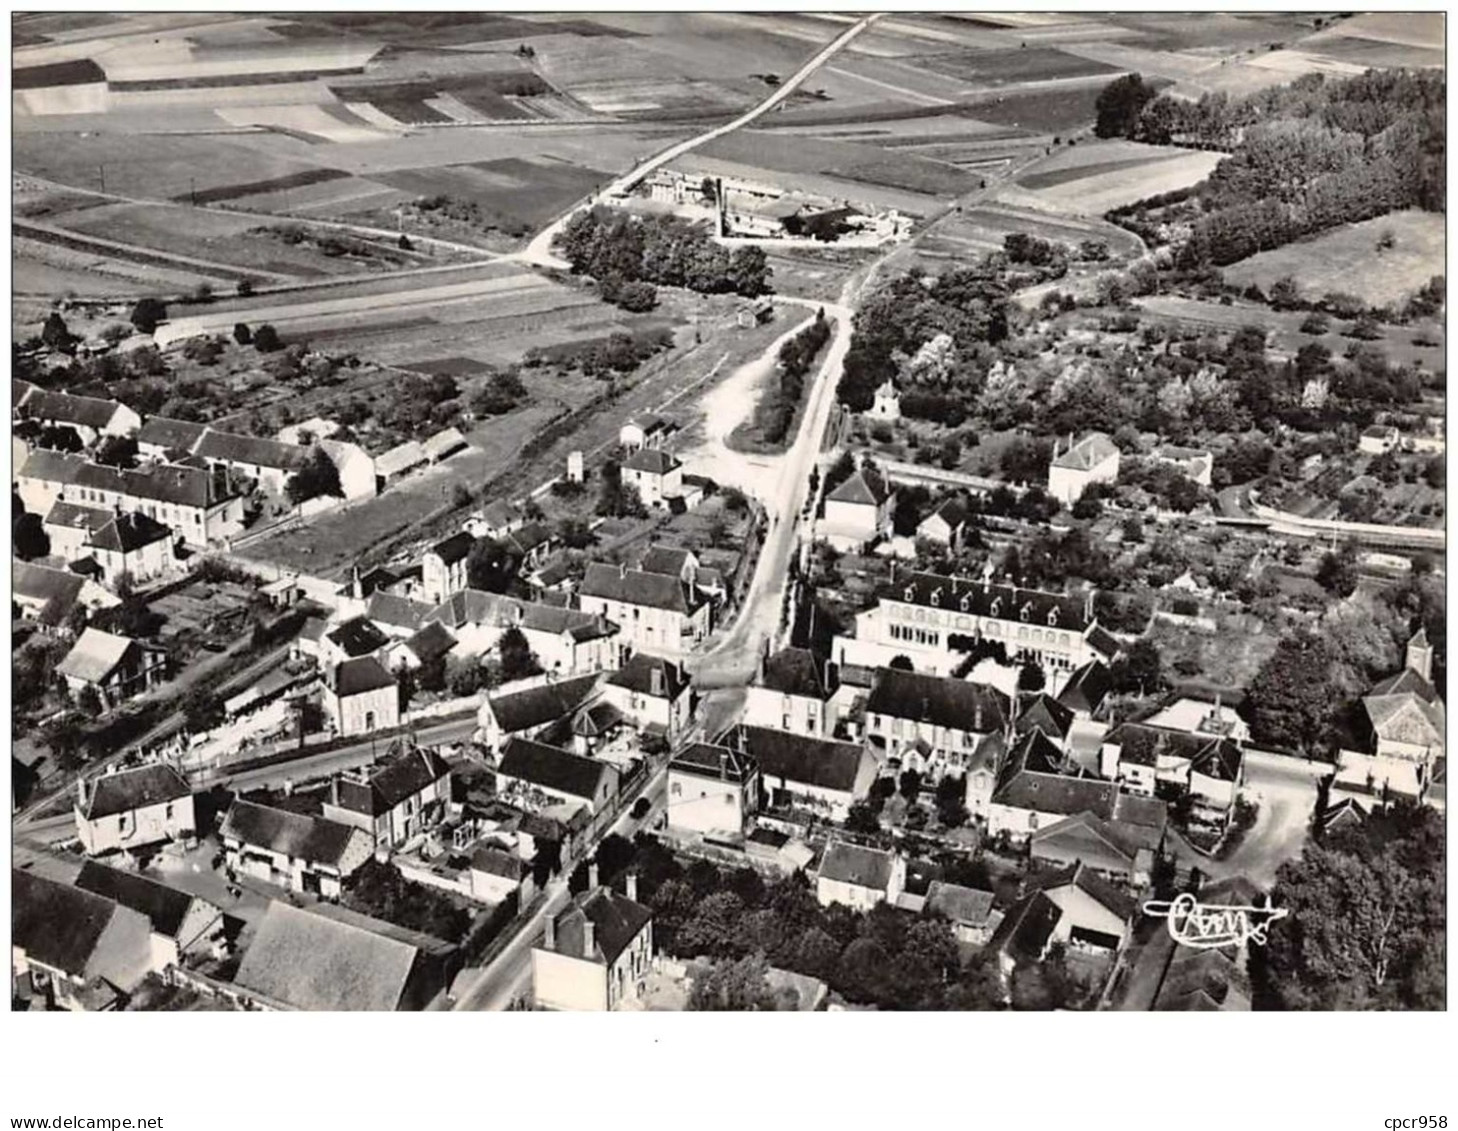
x,y
115,667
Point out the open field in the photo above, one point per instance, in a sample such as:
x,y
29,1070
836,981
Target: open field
x,y
984,229
1348,260
1005,67
1054,110
1096,189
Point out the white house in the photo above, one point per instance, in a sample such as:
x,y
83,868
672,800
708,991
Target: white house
x,y
796,691
116,667
534,776
857,511
90,417
1094,459
1195,464
654,694
887,403
656,474
527,712
181,923
814,775
858,877
132,809
443,568
933,724
395,800
653,612
292,850
1378,439
946,524
644,431
595,953
712,790
360,696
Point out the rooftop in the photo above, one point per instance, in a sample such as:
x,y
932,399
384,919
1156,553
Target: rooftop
x,y
1088,453
552,768
297,835
537,706
127,790
854,864
95,655
819,762
616,922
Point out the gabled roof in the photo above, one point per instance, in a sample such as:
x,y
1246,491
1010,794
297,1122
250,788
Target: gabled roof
x,y
454,549
297,835
477,607
398,777
637,676
127,790
1045,714
230,447
551,768
77,517
1025,930
163,432
952,511
1088,453
165,907
1142,744
402,458
634,587
1344,812
537,706
530,536
654,461
95,655
1087,687
128,532
312,961
667,560
819,762
64,927
799,671
1035,752
943,701
358,637
498,862
1203,981
1405,682
396,611
1090,839
66,408
579,625
1056,794
854,864
616,922
500,514
721,763
443,443
865,488
431,642
1086,880
1104,643
57,588
52,467
985,599
964,905
359,676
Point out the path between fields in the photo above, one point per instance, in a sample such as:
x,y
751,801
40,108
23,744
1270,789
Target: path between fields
x,y
539,251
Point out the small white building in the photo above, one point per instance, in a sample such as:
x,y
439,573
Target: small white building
x,y
887,405
595,953
654,694
1094,459
798,692
858,511
360,696
859,877
657,476
712,790
443,568
647,431
1378,439
395,800
292,850
132,809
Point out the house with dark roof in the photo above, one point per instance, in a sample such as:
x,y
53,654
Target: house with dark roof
x,y
127,810
1116,852
567,641
74,949
1085,690
1195,464
534,776
443,568
671,561
535,711
858,877
857,511
90,417
360,696
496,520
115,667
970,911
645,430
1074,907
293,850
932,724
654,612
431,644
352,639
326,958
797,691
182,923
946,524
269,463
395,615
133,545
819,775
1093,459
531,543
1209,767
395,799
595,952
712,790
1026,932
654,694
1203,981
48,595
934,620
161,437
655,474
1030,794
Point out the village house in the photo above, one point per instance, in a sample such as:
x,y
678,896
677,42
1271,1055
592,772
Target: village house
x,y
712,790
397,463
48,595
393,801
293,850
1094,459
1122,854
819,775
182,924
646,431
887,403
72,949
432,644
117,668
1195,464
1085,691
857,511
356,469
1209,767
443,568
932,724
444,444
117,543
945,525
326,958
127,810
496,874
496,520
395,616
969,911
267,463
595,952
569,642
360,696
535,776
531,712
532,543
934,620
858,877
671,561
1379,439
796,691
653,612
654,694
89,417
1076,908
657,476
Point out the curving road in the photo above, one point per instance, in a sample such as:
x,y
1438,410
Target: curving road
x,y
539,251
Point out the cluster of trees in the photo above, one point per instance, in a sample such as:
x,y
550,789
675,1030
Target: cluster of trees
x,y
776,412
317,477
619,352
1304,157
617,499
618,250
884,957
1366,924
500,393
380,890
416,405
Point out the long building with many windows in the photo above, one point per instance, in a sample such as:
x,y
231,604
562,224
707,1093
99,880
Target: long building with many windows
x,y
934,621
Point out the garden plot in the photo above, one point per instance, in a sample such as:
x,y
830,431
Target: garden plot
x,y
326,123
1099,186
1349,260
982,69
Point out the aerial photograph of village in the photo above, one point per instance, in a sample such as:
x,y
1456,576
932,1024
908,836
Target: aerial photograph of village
x,y
702,511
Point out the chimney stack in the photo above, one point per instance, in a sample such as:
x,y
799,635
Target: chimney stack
x,y
655,682
592,876
633,886
589,939
549,942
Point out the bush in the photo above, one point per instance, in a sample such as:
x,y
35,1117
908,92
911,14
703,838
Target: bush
x,y
266,339
1315,323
